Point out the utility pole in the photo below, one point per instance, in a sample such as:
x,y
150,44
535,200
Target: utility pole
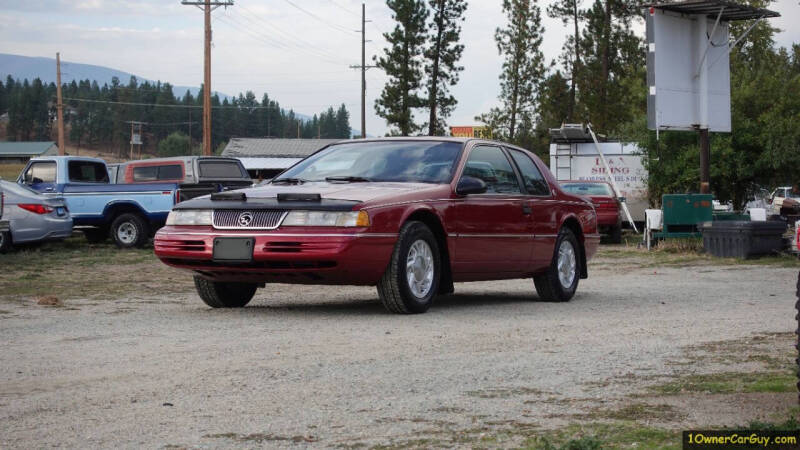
x,y
207,6
363,68
60,107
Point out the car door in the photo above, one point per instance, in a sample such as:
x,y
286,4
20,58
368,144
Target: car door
x,y
41,176
540,202
493,232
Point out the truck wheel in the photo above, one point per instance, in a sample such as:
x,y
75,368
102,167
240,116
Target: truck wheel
x,y
5,241
129,231
224,295
412,278
560,281
96,235
615,236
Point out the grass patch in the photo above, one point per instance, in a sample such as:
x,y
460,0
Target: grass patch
x,y
605,435
10,172
730,382
75,268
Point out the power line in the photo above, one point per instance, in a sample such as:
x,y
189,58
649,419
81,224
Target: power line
x,y
195,106
334,26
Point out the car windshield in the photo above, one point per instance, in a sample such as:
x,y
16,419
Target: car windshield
x,y
403,161
588,188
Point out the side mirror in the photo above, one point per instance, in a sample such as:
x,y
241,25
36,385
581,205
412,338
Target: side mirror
x,y
621,199
470,185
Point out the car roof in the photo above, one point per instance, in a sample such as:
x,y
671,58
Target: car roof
x,y
179,158
460,140
68,158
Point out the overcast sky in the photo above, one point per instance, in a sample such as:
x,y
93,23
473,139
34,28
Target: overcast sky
x,y
298,51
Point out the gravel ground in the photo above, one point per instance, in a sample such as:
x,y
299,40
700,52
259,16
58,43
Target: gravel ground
x,y
326,366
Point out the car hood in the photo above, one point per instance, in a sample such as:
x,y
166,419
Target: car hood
x,y
332,195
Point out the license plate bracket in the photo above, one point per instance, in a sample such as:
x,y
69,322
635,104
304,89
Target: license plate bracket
x,y
233,250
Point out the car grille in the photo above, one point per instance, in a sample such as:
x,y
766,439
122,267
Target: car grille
x,y
242,219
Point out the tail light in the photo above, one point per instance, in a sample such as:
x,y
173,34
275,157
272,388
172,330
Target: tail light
x,y
36,208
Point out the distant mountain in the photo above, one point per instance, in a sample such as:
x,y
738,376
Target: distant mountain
x,y
21,67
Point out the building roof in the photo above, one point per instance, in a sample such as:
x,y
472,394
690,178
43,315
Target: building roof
x,y
25,149
728,11
275,148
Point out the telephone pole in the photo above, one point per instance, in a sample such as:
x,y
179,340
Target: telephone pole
x,y
363,68
207,6
60,107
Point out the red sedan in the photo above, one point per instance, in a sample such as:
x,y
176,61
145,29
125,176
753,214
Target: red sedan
x,y
607,205
408,215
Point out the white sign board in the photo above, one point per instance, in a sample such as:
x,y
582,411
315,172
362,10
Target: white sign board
x,y
688,72
582,163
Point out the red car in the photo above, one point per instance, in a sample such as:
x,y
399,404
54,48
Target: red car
x,y
408,215
607,205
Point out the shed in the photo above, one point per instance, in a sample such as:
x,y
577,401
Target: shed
x,y
267,157
21,152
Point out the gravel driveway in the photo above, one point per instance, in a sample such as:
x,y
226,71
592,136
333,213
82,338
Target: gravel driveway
x,y
326,366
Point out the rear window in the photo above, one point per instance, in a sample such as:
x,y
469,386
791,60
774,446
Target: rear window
x,y
221,169
87,172
156,173
588,188
146,173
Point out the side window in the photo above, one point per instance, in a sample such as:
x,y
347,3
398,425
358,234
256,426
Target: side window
x,y
145,173
491,165
535,183
170,172
87,172
41,172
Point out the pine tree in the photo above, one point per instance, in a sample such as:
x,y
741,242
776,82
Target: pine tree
x,y
523,68
343,130
443,56
402,63
569,11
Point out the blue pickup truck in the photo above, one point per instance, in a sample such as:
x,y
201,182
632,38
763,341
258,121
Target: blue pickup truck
x,y
128,213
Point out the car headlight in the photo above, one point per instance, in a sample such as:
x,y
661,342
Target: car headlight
x,y
189,217
326,219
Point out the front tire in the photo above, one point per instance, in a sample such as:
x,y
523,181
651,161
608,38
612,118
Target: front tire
x,y
560,281
129,231
217,294
412,279
5,241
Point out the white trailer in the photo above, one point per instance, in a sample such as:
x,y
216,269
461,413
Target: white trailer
x,y
576,158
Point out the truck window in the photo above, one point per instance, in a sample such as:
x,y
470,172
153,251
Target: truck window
x,y
534,181
221,169
145,173
87,172
170,172
41,172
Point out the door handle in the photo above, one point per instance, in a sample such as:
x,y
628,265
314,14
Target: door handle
x,y
526,209
49,189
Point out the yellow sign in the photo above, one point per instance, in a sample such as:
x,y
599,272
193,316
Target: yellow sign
x,y
471,132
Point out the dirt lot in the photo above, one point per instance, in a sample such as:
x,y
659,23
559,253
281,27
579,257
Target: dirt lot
x,y
651,345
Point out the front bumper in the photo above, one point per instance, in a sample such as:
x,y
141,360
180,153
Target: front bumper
x,y
297,255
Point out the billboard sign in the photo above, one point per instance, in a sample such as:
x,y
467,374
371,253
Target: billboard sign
x,y
483,132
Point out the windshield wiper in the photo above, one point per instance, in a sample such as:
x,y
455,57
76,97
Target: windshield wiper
x,y
348,179
288,181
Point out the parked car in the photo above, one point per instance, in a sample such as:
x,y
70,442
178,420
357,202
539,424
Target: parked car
x,y
195,175
129,213
607,205
408,215
4,225
32,217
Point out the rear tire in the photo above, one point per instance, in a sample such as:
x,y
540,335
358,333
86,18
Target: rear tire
x,y
129,231
217,294
5,242
412,279
96,235
560,281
